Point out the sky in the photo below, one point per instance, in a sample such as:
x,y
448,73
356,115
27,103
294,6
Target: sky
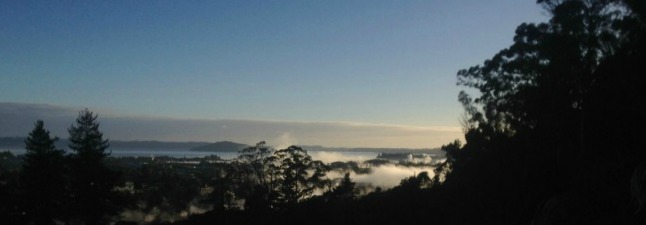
x,y
371,64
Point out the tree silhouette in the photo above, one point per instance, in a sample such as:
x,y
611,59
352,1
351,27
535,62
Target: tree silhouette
x,y
256,161
294,176
542,81
92,183
11,211
553,106
454,153
345,190
227,182
422,180
256,157
43,177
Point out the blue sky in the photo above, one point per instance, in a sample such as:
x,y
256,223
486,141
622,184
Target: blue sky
x,y
373,62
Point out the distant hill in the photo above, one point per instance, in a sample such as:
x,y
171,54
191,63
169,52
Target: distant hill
x,y
222,146
227,146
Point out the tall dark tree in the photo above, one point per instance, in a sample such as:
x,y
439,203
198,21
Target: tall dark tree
x,y
43,177
92,183
541,84
564,98
85,138
294,176
256,157
255,162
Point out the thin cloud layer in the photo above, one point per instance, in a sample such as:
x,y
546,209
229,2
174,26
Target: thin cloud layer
x,y
17,119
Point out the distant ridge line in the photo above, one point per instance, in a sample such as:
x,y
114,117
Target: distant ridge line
x,y
220,146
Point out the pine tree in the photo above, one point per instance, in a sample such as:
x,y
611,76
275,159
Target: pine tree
x,y
95,200
346,189
86,139
43,177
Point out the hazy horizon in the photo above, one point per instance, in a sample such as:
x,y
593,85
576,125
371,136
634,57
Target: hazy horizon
x,y
18,120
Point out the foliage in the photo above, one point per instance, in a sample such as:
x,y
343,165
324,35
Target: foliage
x,y
43,178
422,180
345,190
85,138
10,207
454,154
255,162
294,176
276,179
550,116
541,82
92,183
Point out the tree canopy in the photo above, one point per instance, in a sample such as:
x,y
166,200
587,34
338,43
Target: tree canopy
x,y
94,199
560,113
44,178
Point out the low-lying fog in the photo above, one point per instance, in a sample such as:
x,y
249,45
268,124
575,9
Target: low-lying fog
x,y
384,176
329,157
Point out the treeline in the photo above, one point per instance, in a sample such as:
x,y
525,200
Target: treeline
x,y
49,186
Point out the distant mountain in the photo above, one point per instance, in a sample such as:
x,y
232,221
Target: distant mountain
x,y
222,146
